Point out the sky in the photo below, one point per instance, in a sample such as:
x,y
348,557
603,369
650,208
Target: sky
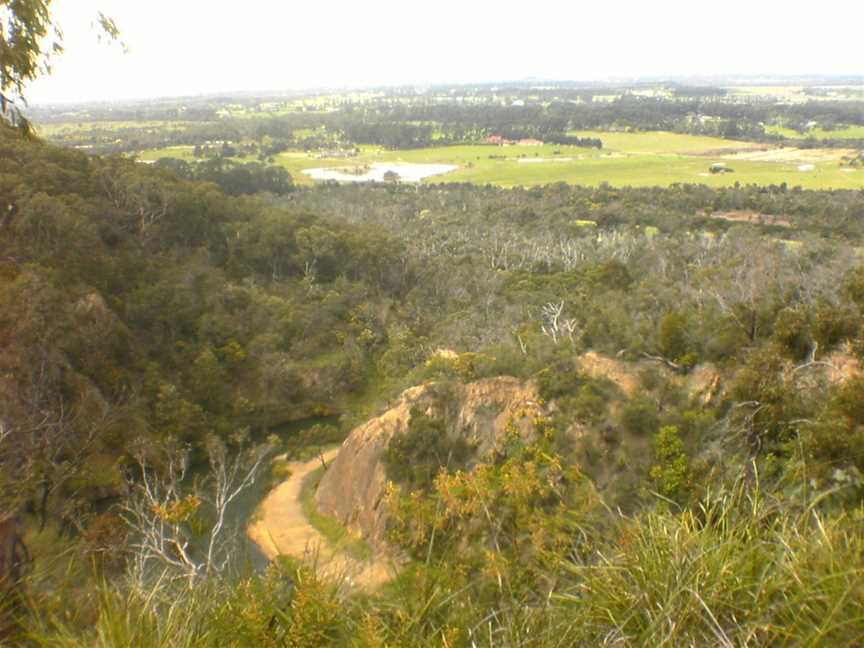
x,y
192,47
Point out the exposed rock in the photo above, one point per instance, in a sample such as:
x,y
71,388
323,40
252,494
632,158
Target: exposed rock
x,y
352,490
623,374
704,383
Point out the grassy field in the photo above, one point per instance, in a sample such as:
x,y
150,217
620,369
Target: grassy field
x,y
634,159
662,142
178,152
84,127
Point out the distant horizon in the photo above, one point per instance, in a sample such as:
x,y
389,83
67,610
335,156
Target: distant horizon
x,y
814,79
198,48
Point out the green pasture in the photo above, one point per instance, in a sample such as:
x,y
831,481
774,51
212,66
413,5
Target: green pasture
x,y
634,159
178,152
662,142
51,130
654,170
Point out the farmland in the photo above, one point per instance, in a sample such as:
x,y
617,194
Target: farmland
x,y
627,159
651,134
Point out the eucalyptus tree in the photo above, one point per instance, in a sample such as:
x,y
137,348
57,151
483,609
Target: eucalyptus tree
x,y
30,39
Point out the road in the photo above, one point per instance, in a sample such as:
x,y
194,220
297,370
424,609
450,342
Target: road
x,y
279,527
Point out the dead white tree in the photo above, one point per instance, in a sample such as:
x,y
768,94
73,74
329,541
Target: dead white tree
x,y
551,314
165,510
230,477
571,330
158,516
310,275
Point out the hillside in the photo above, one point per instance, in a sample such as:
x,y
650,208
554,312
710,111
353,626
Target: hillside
x,y
571,413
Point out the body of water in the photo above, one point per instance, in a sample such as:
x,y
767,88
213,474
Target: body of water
x,y
407,172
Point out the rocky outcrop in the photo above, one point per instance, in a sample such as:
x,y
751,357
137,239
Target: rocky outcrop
x,y
352,489
620,372
704,384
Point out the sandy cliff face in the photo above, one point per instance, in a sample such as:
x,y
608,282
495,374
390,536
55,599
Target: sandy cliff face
x,y
352,490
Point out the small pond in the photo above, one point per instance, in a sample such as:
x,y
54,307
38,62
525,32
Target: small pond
x,y
406,172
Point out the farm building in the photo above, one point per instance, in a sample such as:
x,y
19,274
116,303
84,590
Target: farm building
x,y
498,140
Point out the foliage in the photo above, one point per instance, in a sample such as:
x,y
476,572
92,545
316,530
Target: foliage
x,y
288,606
414,459
734,570
558,380
672,337
639,416
504,520
766,402
29,41
792,332
671,472
23,53
834,441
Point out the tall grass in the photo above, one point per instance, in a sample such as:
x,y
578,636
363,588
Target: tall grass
x,y
737,570
740,569
288,606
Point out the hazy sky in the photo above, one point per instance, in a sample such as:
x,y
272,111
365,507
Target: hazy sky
x,y
185,47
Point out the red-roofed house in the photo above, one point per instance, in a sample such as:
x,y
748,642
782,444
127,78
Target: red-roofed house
x,y
497,140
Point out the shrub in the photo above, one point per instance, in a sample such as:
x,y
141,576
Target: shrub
x,y
558,380
650,378
792,332
639,416
832,324
589,404
672,336
670,473
414,459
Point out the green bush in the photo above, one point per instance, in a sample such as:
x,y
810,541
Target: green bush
x,y
670,473
589,405
561,379
650,378
640,416
414,459
673,336
792,331
832,324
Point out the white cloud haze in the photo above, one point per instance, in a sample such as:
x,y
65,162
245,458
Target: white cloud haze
x,y
187,47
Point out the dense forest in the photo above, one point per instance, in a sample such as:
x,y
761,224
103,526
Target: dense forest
x,y
168,340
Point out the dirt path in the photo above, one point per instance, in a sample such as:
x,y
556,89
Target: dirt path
x,y
279,527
